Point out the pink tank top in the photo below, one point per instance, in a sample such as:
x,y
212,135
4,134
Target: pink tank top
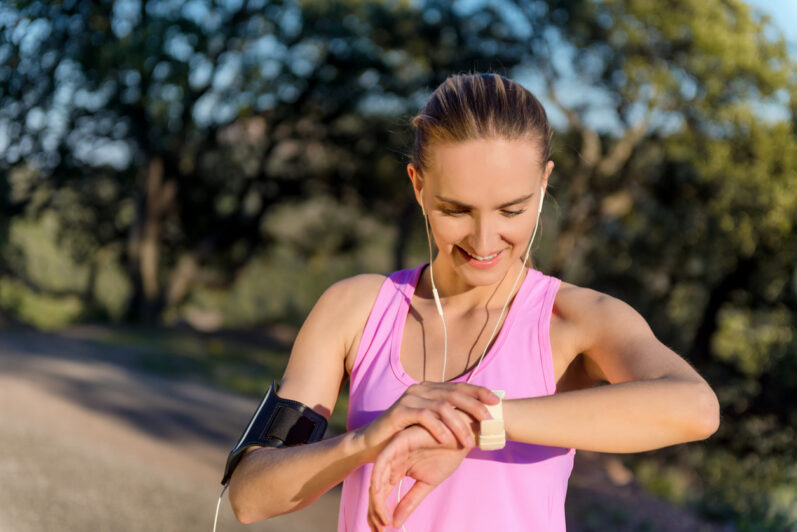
x,y
520,487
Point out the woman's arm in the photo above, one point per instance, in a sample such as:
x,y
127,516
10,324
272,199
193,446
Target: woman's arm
x,y
654,399
270,481
617,418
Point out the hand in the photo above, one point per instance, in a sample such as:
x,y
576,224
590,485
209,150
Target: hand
x,y
414,453
437,407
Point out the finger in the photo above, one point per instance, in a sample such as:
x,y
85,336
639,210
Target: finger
x,y
374,518
482,393
457,424
383,483
377,490
410,502
372,525
375,527
486,395
376,503
429,420
468,404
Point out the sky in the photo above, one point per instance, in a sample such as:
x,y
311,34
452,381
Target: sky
x,y
784,13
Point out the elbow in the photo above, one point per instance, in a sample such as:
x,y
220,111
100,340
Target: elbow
x,y
707,409
244,516
247,515
245,512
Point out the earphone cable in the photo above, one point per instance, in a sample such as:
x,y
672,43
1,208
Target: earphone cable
x,y
218,504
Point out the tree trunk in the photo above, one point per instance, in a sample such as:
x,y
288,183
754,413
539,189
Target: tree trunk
x,y
144,244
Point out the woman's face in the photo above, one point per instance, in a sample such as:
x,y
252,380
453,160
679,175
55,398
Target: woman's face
x,y
481,198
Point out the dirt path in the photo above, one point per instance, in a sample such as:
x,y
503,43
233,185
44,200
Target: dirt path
x,y
94,445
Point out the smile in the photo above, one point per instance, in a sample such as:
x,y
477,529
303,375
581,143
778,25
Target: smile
x,y
478,257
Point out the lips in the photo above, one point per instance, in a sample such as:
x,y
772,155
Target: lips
x,y
481,261
480,257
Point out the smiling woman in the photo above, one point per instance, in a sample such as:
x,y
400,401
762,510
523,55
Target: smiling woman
x,y
411,343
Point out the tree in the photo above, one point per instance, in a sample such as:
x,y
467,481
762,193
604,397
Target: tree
x,y
164,132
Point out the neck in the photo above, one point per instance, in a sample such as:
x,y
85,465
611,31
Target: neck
x,y
460,296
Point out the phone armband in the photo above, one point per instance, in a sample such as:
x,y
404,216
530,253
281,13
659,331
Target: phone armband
x,y
277,422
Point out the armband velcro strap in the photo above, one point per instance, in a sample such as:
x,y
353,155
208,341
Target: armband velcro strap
x,y
277,422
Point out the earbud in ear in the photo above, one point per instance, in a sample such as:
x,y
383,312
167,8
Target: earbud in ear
x,y
542,197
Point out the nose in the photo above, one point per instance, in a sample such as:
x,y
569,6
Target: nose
x,y
485,239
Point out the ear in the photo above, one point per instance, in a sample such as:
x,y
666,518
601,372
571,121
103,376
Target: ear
x,y
417,184
546,174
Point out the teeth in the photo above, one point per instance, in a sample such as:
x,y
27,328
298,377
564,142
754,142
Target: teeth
x,y
478,257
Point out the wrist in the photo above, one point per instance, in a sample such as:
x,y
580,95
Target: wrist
x,y
358,446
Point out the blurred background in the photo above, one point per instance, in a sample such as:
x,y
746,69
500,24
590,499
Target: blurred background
x,y
180,181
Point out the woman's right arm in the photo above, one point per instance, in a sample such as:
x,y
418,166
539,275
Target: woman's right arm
x,y
270,481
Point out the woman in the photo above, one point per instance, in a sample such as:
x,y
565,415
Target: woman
x,y
421,370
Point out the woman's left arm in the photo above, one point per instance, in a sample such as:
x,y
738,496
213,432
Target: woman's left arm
x,y
654,397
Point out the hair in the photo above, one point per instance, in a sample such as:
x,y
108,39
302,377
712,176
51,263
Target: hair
x,y
479,106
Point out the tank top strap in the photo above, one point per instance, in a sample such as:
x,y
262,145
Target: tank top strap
x,y
548,289
396,291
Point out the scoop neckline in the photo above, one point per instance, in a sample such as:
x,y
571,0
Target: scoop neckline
x,y
403,315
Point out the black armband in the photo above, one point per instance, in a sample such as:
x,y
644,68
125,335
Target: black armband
x,y
277,422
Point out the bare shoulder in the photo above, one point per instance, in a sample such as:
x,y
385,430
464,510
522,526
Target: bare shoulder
x,y
597,325
589,310
617,343
354,298
316,367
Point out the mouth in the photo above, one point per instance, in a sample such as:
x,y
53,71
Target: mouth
x,y
480,258
479,261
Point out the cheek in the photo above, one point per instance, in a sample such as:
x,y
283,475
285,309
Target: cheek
x,y
452,231
520,233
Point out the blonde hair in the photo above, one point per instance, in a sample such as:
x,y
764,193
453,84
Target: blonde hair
x,y
479,106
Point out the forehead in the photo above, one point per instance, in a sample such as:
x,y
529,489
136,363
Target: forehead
x,y
484,170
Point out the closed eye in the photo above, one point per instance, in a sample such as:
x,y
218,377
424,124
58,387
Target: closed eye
x,y
453,212
506,212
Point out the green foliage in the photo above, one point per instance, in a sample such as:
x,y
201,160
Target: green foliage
x,y
47,286
318,242
47,264
754,341
42,311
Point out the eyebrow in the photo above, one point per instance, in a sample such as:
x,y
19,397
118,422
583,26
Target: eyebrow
x,y
503,205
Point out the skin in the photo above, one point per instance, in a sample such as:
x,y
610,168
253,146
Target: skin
x,y
652,397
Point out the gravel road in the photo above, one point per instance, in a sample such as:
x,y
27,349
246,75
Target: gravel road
x,y
88,443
